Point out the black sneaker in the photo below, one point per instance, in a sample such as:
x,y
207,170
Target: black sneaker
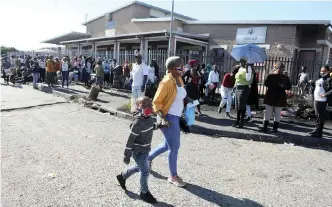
x,y
148,197
236,123
122,181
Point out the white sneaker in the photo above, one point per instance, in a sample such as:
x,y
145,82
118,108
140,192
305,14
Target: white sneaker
x,y
177,181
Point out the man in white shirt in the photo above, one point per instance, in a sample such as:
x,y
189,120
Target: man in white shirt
x,y
139,75
42,69
322,96
213,81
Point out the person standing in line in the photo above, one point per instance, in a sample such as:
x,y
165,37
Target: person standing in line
x,y
113,66
322,98
139,76
42,69
99,74
168,104
50,69
242,81
253,98
57,72
303,80
65,71
107,69
138,146
191,79
35,72
226,91
214,80
276,97
5,66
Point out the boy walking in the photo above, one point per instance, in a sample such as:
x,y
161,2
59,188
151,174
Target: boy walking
x,y
138,146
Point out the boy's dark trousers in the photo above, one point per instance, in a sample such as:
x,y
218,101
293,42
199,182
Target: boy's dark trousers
x,y
142,166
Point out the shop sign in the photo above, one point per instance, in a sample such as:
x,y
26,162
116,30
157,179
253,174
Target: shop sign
x,y
255,35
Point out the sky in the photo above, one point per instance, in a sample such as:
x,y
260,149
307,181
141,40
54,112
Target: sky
x,y
25,23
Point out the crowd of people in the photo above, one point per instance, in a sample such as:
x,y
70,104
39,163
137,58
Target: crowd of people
x,y
180,86
167,97
47,69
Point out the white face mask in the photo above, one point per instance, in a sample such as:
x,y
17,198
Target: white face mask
x,y
323,74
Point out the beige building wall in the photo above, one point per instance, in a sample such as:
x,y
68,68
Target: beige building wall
x,y
226,34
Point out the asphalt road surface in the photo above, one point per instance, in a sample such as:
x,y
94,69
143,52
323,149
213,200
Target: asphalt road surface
x,y
61,154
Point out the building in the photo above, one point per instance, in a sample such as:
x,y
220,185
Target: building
x,y
143,27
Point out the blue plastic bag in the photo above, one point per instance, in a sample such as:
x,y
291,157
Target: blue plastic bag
x,y
189,115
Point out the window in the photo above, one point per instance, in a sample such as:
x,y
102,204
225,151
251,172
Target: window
x,y
110,17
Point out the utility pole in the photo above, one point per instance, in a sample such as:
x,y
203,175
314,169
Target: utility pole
x,y
86,18
170,40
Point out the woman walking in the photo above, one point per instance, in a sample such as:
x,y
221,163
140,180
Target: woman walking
x,y
168,103
275,98
243,80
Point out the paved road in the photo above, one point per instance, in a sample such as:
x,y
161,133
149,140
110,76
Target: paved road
x,y
66,155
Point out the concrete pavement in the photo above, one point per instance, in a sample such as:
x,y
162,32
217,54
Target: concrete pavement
x,y
23,96
64,155
212,124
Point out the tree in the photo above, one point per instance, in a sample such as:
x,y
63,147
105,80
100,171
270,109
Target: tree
x,y
5,50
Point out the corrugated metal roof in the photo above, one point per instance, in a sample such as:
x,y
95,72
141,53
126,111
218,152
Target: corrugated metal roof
x,y
66,37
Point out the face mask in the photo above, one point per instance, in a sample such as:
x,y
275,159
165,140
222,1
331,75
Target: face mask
x,y
147,112
323,74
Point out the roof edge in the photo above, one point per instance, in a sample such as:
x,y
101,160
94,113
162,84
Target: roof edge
x,y
68,33
142,4
160,19
122,35
318,22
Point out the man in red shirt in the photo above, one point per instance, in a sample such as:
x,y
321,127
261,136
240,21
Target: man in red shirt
x,y
226,90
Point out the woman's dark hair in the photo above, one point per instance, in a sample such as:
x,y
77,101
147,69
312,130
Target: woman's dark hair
x,y
203,66
327,67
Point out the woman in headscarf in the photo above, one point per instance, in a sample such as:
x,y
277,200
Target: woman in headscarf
x,y
192,79
243,80
168,104
275,98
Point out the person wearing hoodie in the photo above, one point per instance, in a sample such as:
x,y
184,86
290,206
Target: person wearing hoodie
x,y
138,146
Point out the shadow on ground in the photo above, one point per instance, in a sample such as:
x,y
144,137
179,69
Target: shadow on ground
x,y
213,196
290,132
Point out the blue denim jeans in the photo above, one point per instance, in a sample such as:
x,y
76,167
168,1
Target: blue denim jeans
x,y
65,75
143,166
171,143
35,77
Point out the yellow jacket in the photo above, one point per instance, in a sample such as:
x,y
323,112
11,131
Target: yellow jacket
x,y
165,94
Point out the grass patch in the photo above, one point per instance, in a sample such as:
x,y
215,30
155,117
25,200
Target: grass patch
x,y
125,108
